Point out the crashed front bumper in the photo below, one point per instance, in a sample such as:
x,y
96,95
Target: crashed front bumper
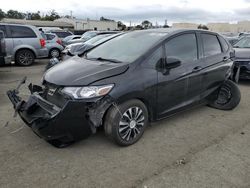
x,y
74,121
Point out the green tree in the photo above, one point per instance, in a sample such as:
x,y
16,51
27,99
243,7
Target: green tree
x,y
146,24
53,15
2,14
15,14
121,25
35,16
203,27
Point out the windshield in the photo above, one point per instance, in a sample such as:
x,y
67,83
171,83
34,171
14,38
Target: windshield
x,y
96,38
243,43
127,47
88,34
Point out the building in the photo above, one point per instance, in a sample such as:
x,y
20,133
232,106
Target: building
x,y
185,25
87,24
222,27
39,23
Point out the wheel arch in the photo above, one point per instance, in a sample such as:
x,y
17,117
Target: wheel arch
x,y
25,48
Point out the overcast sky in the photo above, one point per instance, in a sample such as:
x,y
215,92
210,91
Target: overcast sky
x,y
199,11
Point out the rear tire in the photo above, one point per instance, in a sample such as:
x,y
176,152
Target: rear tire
x,y
54,53
125,123
228,96
25,57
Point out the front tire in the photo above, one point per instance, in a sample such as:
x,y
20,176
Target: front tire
x,y
125,123
228,96
25,57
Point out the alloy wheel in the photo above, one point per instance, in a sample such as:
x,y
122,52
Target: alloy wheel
x,y
131,123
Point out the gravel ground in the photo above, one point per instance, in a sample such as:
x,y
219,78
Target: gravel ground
x,y
202,147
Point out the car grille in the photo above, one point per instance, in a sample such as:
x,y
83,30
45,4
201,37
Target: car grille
x,y
53,95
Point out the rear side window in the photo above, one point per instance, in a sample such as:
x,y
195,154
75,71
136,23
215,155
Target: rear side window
x,y
183,47
224,44
3,29
211,45
62,34
49,37
22,32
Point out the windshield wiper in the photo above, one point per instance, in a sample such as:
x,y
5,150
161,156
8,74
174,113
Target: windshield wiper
x,y
105,59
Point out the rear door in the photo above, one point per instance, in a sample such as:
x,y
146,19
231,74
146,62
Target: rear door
x,y
217,62
8,40
23,35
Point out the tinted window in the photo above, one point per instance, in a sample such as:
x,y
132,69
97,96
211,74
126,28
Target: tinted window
x,y
62,34
224,44
153,58
127,47
49,37
211,45
183,47
22,32
3,28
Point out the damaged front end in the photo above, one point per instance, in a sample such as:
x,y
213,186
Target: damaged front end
x,y
59,119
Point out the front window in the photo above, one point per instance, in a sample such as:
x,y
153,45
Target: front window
x,y
96,39
127,47
88,35
243,43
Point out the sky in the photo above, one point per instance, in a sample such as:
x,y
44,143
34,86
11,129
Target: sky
x,y
156,11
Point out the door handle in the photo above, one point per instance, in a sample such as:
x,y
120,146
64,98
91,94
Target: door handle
x,y
197,69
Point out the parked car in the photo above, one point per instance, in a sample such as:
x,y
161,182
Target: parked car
x,y
61,33
24,43
242,58
232,40
129,81
80,48
54,45
4,57
70,37
90,34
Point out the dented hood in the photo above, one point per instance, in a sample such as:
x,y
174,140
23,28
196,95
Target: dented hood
x,y
78,71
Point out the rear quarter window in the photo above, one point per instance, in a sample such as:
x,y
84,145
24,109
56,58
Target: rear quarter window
x,y
22,32
211,45
224,44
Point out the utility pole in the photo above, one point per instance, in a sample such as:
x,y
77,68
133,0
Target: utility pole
x,y
71,14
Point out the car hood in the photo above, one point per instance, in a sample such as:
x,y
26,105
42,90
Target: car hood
x,y
78,71
242,53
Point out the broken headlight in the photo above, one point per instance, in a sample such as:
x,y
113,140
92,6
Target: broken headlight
x,y
87,92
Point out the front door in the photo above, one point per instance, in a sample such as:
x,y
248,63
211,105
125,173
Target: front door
x,y
182,83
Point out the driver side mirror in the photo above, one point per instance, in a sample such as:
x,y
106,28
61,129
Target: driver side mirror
x,y
164,65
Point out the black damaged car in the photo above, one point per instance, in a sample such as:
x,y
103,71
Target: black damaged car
x,y
127,82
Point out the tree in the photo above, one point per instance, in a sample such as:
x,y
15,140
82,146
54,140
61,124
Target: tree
x,y
121,25
15,14
105,19
35,16
53,15
2,14
166,26
203,27
146,24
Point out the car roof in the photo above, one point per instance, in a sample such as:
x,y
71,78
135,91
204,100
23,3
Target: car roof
x,y
26,25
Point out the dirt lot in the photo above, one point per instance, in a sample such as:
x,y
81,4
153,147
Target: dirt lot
x,y
202,147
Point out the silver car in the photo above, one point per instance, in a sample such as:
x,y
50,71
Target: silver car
x,y
24,43
53,44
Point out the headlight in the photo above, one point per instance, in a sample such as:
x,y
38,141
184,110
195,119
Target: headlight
x,y
88,92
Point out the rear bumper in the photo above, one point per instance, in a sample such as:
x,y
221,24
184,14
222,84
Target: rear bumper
x,y
42,53
64,125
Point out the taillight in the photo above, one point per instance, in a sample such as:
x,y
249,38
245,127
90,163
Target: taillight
x,y
59,41
42,42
